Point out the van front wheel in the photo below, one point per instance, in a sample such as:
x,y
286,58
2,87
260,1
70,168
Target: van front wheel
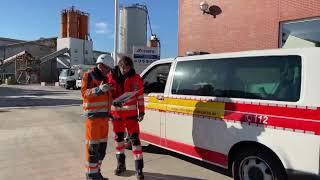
x,y
255,163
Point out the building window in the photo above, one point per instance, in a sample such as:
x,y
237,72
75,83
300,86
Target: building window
x,y
86,52
300,33
267,78
76,51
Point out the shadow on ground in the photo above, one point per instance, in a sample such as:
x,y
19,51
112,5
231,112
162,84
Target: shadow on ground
x,y
155,176
156,150
24,96
16,91
3,111
29,102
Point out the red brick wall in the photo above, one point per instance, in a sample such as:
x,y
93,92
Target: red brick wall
x,y
299,9
242,25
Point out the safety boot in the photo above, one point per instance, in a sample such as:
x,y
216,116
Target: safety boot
x,y
100,176
121,164
139,167
96,176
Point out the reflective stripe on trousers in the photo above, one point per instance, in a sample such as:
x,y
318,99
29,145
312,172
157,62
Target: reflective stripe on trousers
x,y
119,147
102,110
96,141
92,170
137,152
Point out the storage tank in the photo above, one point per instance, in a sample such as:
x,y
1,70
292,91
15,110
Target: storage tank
x,y
133,27
83,26
64,25
73,17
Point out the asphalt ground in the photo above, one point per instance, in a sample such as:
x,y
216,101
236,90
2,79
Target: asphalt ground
x,y
42,138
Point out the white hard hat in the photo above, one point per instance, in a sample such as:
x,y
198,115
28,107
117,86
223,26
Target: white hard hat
x,y
106,60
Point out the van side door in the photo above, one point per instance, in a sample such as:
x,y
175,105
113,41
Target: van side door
x,y
154,86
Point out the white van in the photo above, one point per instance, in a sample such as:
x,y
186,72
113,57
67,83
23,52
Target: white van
x,y
256,113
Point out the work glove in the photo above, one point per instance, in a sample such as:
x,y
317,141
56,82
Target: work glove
x,y
104,87
140,117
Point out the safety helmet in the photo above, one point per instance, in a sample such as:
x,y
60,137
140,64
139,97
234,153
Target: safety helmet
x,y
105,59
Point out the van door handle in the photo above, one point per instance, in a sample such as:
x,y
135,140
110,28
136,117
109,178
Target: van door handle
x,y
160,97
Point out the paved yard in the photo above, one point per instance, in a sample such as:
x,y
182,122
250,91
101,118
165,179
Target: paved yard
x,y
46,142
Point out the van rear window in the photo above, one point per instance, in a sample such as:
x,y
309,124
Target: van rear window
x,y
268,78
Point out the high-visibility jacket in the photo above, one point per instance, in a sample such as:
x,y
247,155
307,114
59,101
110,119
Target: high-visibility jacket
x,y
96,104
116,80
135,105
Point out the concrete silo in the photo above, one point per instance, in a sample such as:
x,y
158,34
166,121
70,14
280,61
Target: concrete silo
x,y
133,28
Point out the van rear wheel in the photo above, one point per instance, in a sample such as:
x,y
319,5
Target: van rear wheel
x,y
256,164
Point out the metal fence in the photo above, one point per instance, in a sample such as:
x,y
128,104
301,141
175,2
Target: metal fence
x,y
4,76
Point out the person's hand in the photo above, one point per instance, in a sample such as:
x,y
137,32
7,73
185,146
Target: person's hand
x,y
104,87
140,117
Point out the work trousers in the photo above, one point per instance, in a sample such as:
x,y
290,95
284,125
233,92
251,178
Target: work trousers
x,y
96,135
133,129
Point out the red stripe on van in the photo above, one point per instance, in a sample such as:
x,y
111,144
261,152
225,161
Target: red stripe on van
x,y
186,149
283,117
277,122
303,113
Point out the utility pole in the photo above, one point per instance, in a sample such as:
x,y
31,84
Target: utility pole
x,y
116,31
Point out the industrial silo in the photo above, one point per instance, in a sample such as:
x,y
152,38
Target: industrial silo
x,y
73,23
64,25
133,28
83,26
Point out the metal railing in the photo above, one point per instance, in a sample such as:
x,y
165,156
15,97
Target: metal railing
x,y
4,76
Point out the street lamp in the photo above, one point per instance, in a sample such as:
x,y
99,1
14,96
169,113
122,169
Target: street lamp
x,y
212,10
116,34
204,7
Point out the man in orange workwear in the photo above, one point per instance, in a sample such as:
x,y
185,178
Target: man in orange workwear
x,y
97,101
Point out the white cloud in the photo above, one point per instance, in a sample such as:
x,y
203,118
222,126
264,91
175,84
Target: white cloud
x,y
103,28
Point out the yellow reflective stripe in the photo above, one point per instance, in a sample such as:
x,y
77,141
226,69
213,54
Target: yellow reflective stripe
x,y
132,107
91,104
187,106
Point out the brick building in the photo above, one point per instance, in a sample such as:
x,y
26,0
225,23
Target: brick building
x,y
247,25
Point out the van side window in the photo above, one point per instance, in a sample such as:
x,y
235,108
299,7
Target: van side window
x,y
267,78
156,78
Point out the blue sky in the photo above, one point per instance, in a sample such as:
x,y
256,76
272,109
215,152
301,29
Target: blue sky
x,y
32,19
